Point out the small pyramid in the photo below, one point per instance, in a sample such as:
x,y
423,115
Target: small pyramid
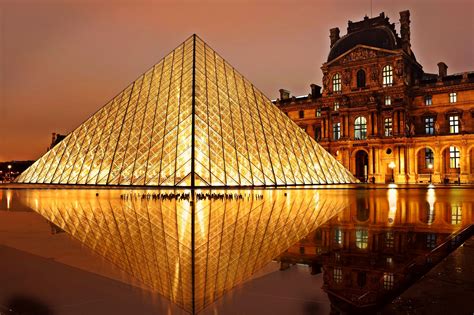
x,y
191,120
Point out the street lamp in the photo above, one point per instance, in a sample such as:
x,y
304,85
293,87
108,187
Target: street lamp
x,y
391,165
9,172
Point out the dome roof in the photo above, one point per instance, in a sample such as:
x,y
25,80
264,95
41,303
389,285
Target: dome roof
x,y
380,37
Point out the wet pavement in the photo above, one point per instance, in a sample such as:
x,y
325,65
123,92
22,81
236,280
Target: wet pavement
x,y
447,289
357,260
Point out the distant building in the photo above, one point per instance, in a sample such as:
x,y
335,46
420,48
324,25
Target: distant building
x,y
55,139
11,169
378,106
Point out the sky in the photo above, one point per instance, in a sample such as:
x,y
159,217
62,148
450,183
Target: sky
x,y
62,60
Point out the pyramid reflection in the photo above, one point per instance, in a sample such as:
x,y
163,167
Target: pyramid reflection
x,y
192,250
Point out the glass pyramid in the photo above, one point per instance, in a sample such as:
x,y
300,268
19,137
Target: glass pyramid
x,y
191,120
190,251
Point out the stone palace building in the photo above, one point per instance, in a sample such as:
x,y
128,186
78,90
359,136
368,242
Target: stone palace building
x,y
381,115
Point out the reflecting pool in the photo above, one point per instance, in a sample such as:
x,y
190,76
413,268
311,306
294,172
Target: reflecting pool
x,y
383,242
367,244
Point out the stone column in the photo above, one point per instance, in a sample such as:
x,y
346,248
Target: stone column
x,y
371,164
378,176
376,120
464,176
401,176
437,165
310,131
323,129
369,126
402,129
469,166
395,123
328,127
412,171
347,132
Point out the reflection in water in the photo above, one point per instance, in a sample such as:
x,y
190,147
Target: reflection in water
x,y
392,205
191,251
9,198
367,263
431,202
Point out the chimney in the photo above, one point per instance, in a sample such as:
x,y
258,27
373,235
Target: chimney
x,y
284,94
334,35
315,90
442,70
405,30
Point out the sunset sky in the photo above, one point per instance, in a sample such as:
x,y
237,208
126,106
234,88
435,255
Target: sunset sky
x,y
62,60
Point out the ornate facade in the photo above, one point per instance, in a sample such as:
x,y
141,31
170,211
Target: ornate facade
x,y
378,108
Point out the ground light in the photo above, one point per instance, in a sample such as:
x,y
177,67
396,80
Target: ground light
x,y
430,167
392,184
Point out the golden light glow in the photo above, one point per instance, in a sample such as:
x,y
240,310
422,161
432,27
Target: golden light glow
x,y
392,205
431,199
191,100
151,239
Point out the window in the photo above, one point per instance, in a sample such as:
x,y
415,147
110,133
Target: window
x,y
389,239
388,126
454,157
337,275
318,112
338,236
387,75
336,131
317,133
360,128
360,78
429,157
456,214
454,124
361,279
428,100
301,250
429,125
453,97
336,106
362,238
336,83
388,100
430,240
301,113
388,280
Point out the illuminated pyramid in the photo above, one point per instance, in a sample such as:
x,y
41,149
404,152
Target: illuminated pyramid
x,y
190,252
191,120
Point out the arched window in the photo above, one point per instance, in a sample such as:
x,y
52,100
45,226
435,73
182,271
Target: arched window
x,y
336,83
360,78
387,75
360,128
